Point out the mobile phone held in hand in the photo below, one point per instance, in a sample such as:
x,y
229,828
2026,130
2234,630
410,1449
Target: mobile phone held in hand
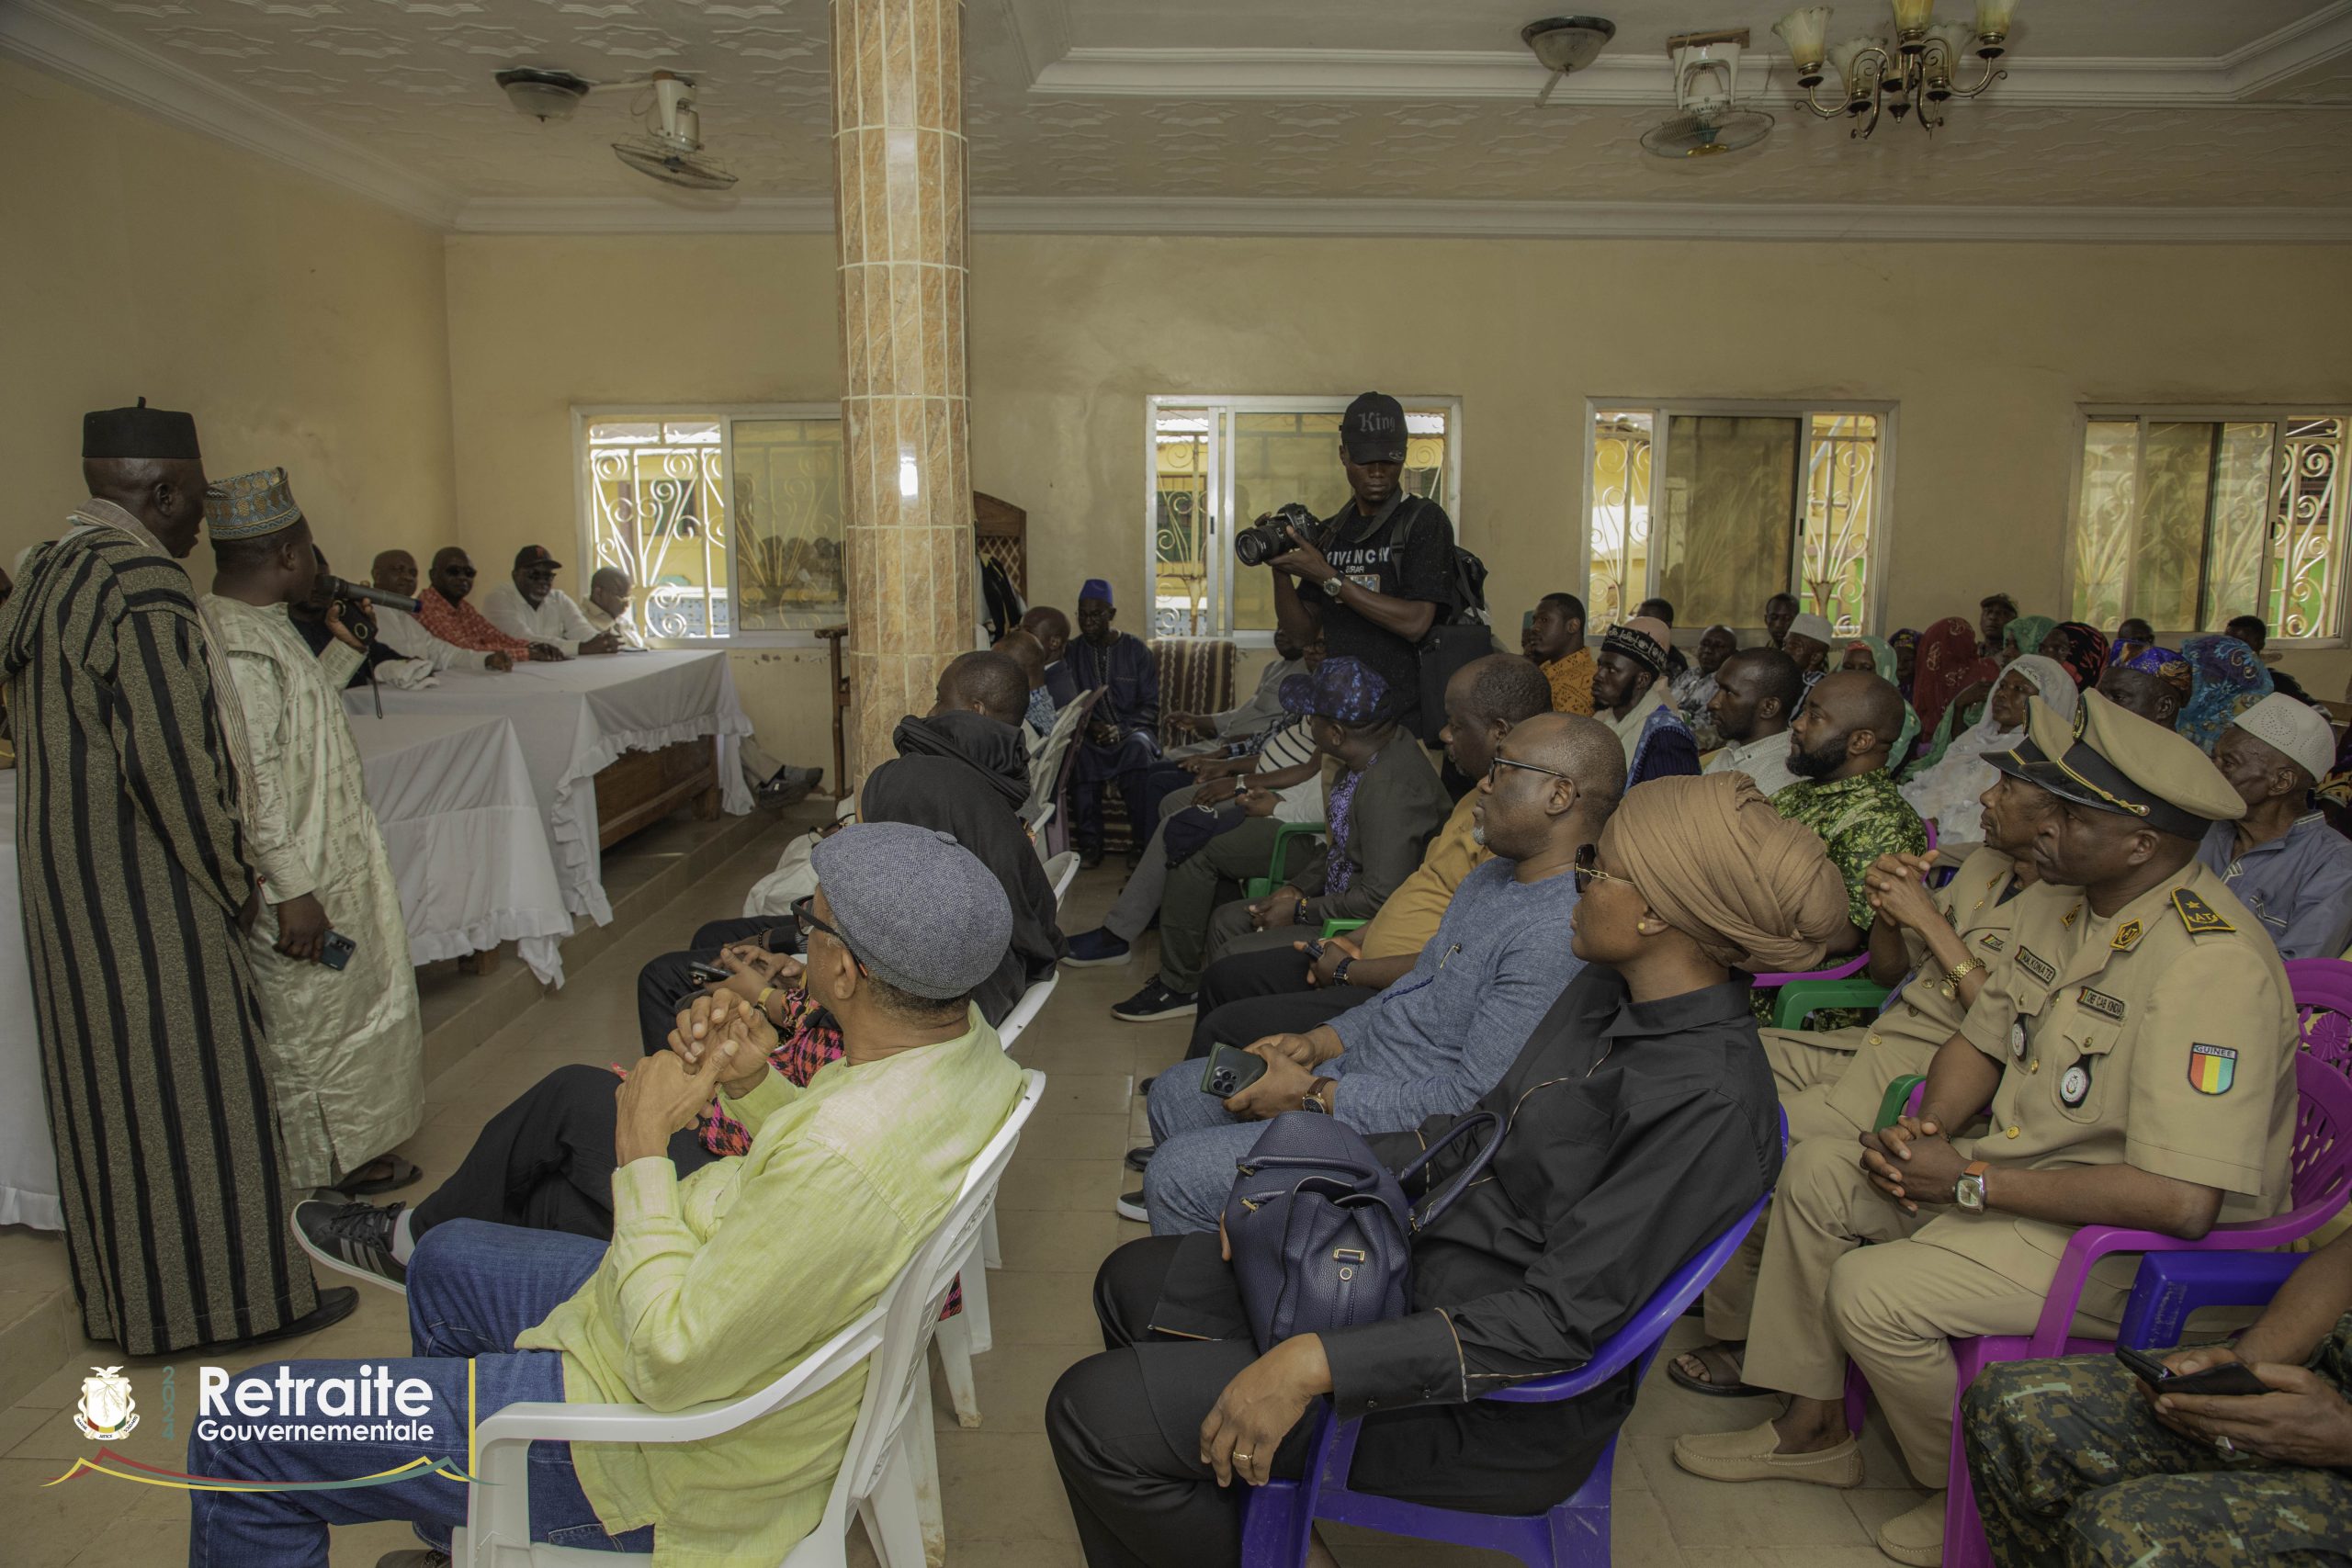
x,y
1231,1070
2230,1378
335,951
706,975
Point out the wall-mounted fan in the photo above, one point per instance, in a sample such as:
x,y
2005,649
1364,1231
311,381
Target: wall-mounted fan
x,y
670,147
1706,92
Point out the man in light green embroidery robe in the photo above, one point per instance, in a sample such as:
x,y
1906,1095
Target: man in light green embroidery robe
x,y
346,1047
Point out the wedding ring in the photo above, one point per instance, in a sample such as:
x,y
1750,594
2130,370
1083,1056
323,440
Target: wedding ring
x,y
1247,1457
2226,1446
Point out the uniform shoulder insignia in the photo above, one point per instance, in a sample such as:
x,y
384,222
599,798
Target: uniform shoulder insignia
x,y
2198,914
2126,935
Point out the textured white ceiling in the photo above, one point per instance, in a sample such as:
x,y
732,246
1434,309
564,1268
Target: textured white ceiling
x,y
410,80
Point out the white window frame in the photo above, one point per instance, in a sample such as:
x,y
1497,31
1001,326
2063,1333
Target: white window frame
x,y
1218,542
2275,415
1660,411
585,504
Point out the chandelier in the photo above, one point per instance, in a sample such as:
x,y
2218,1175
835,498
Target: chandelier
x,y
1920,70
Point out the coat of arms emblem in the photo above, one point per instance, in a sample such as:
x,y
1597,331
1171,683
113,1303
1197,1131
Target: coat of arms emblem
x,y
107,1411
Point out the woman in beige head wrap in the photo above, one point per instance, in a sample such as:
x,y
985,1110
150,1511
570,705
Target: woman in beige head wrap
x,y
1701,874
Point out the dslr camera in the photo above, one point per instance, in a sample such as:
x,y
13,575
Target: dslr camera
x,y
1288,527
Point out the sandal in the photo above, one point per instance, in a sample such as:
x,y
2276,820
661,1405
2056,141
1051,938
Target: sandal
x,y
1721,1362
391,1174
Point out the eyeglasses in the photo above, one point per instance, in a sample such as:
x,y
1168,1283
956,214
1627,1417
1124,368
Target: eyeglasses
x,y
1587,870
1494,769
805,916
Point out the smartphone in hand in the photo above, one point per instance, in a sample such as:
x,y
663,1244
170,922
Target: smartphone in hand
x,y
706,975
2230,1378
335,951
1231,1070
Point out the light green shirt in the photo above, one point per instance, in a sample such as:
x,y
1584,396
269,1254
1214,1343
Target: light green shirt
x,y
717,1285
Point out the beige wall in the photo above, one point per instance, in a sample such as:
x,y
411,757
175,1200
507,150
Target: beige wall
x,y
302,327
1986,349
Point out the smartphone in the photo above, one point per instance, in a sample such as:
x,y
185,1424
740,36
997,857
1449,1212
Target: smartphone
x,y
336,950
1231,1070
2229,1378
707,974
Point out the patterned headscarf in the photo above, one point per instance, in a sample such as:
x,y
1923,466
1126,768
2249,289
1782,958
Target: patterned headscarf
x,y
2085,654
1342,688
2025,634
2164,664
2227,678
1946,664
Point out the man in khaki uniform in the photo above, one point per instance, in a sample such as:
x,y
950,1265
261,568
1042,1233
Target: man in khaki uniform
x,y
2138,1056
1940,946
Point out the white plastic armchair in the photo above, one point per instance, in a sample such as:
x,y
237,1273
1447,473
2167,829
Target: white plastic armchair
x,y
970,1333
1061,869
891,1473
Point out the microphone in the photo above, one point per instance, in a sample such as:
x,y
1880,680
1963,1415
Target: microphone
x,y
337,588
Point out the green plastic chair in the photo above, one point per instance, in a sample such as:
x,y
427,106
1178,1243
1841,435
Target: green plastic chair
x,y
1897,1093
1259,886
1334,928
1799,999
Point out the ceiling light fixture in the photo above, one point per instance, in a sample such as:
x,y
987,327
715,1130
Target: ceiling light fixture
x,y
543,95
1920,70
1562,44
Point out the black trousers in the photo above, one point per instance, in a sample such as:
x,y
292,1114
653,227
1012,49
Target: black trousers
x,y
1251,995
1126,1430
664,983
546,1162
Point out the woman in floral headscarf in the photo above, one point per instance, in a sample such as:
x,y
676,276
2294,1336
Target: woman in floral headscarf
x,y
1946,665
2228,677
2025,634
2081,648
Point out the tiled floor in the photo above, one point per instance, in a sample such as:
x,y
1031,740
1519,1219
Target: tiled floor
x,y
1003,1503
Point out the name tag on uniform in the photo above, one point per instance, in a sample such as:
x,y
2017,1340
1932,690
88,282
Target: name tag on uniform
x,y
2035,966
2100,1002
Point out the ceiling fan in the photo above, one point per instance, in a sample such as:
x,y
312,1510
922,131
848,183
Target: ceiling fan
x,y
1706,92
667,149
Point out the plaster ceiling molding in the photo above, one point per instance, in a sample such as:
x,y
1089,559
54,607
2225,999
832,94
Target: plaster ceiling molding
x,y
305,9
595,10
214,41
355,43
736,10
424,82
300,82
771,43
1433,116
501,44
158,9
438,7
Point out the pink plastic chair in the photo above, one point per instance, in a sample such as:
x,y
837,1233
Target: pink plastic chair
x,y
2320,1175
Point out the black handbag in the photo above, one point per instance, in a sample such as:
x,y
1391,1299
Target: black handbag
x,y
1322,1235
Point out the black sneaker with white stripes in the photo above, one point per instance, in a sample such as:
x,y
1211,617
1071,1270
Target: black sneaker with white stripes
x,y
355,1238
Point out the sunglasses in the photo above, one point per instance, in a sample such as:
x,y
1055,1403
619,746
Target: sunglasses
x,y
1587,870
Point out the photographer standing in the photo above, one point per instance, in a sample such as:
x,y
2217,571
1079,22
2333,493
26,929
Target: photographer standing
x,y
1382,575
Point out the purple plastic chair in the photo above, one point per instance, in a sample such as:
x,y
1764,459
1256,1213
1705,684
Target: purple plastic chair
x,y
2230,1261
1278,1517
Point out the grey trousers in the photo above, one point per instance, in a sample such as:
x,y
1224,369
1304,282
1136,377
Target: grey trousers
x,y
1138,901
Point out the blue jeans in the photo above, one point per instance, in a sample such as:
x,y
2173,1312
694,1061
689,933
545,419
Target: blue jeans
x,y
1196,1143
471,1289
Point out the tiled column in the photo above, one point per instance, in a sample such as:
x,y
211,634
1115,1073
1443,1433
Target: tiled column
x,y
898,210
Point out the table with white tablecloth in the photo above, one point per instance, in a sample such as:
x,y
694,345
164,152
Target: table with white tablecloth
x,y
461,828
573,719
27,1159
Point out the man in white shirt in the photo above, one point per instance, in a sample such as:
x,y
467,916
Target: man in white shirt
x,y
529,605
608,610
1755,691
394,571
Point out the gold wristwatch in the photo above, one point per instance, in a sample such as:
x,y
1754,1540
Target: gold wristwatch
x,y
1959,972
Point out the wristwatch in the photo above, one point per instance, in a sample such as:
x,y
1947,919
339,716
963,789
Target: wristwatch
x,y
1968,1190
1339,970
1959,972
1316,1096
1332,585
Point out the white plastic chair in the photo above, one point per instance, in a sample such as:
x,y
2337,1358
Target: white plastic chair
x,y
1037,816
969,1334
891,1473
1061,871
1046,761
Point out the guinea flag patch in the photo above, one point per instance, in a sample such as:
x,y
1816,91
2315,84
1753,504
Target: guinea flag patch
x,y
2211,1068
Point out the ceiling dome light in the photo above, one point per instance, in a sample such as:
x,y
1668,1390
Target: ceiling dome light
x,y
543,95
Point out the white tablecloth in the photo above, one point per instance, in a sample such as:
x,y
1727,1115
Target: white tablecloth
x,y
27,1159
573,718
462,828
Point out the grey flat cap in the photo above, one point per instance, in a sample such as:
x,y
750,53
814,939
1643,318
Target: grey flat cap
x,y
919,909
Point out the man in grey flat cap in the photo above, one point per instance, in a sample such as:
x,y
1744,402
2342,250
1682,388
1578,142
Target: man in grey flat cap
x,y
712,1285
2282,859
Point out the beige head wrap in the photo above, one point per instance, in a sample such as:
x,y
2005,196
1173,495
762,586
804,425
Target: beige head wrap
x,y
1715,861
